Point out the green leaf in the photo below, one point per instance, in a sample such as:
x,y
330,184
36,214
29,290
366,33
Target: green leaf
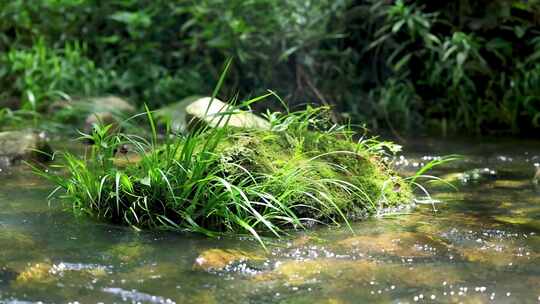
x,y
397,26
403,61
145,181
126,182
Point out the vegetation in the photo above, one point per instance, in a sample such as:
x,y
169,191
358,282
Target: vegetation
x,y
301,172
465,66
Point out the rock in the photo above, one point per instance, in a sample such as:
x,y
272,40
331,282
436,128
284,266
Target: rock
x,y
130,252
72,112
37,273
404,244
105,111
59,105
48,273
101,119
300,272
174,115
111,104
22,145
214,113
219,259
337,273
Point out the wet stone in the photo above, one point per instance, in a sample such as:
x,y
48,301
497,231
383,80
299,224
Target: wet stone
x,y
220,259
37,273
15,243
403,244
520,220
22,145
129,252
301,272
216,113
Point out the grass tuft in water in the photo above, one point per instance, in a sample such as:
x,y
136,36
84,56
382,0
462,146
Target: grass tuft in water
x,y
303,171
229,180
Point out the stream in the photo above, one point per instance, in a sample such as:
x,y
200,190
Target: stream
x,y
477,244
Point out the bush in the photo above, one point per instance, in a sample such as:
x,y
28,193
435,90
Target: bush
x,y
465,66
41,74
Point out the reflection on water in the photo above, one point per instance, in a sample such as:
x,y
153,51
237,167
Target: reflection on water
x,y
481,246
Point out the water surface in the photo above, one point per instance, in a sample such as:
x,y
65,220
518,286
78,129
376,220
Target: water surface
x,y
481,245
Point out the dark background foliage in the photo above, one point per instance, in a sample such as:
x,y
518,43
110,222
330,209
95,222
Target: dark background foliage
x,y
437,66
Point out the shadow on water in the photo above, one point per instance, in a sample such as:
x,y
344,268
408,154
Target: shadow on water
x,y
482,245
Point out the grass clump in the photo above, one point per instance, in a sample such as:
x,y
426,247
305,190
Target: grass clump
x,y
302,171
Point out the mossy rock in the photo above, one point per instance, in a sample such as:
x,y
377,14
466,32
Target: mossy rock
x,y
341,272
39,273
219,259
275,154
403,244
520,220
129,252
301,272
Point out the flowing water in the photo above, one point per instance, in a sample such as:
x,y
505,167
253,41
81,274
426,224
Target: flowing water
x,y
481,245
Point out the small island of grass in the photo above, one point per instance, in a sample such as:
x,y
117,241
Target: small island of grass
x,y
298,170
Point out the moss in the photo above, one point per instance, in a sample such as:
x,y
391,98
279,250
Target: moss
x,y
219,259
37,273
403,244
129,252
358,182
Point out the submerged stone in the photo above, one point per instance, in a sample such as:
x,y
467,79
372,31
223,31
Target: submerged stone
x,y
216,113
520,220
22,145
219,259
301,272
404,244
36,273
336,274
129,252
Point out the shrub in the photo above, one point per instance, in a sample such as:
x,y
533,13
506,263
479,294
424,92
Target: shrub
x,y
41,74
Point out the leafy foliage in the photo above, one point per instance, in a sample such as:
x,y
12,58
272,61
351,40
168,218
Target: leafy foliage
x,y
450,66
